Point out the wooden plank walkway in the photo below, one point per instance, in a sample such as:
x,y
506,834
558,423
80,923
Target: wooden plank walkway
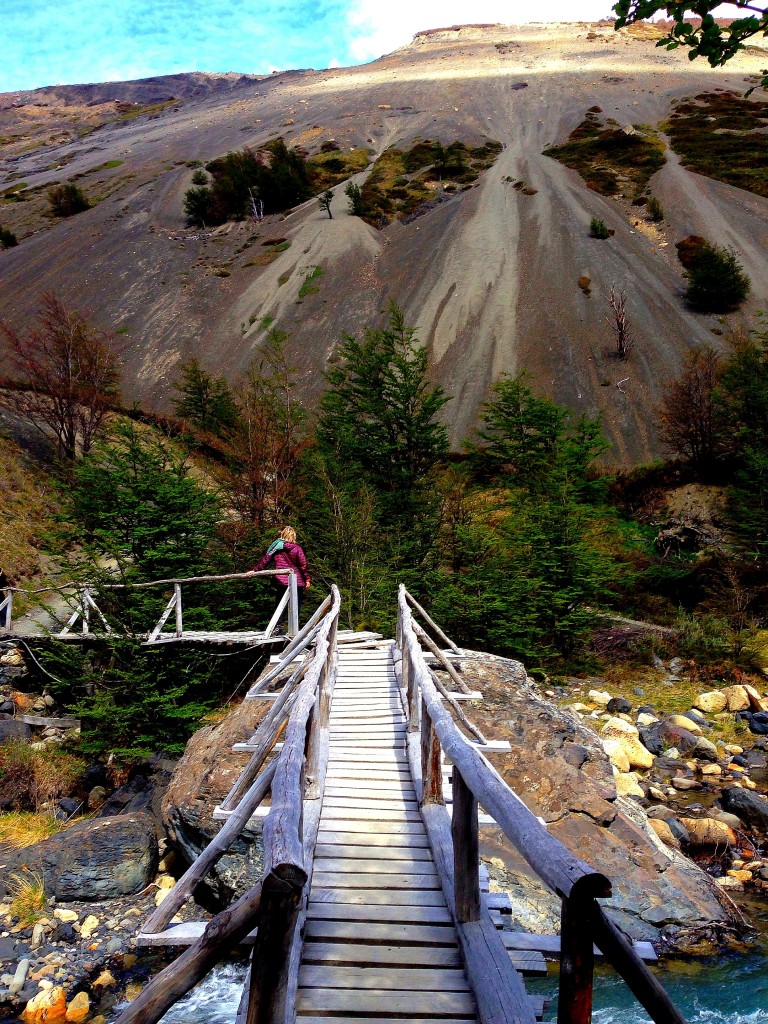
x,y
379,944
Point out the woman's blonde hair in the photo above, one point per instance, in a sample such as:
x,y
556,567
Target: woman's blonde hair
x,y
288,533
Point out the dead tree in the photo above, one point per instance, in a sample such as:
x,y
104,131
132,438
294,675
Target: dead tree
x,y
620,323
67,375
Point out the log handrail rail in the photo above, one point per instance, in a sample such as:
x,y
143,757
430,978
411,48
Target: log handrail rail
x,y
476,782
273,903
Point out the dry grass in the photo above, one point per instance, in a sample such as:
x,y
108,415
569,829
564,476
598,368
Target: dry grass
x,y
20,829
27,893
33,778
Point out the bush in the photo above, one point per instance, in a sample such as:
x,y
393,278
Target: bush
x,y
355,196
716,280
7,239
199,177
598,229
655,210
67,200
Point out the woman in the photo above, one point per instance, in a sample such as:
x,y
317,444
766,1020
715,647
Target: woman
x,y
287,554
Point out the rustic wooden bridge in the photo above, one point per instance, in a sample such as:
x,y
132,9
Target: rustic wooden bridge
x,y
373,906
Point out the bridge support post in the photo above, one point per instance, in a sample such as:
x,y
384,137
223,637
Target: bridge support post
x,y
577,959
6,607
431,761
293,605
466,851
177,606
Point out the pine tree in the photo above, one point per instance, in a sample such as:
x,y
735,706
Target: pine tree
x,y
205,401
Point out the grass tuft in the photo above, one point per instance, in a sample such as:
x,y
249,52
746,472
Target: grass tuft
x,y
20,829
27,893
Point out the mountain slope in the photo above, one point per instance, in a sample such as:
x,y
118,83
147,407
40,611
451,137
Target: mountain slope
x,y
490,277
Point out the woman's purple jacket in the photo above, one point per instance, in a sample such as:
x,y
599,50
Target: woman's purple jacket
x,y
291,557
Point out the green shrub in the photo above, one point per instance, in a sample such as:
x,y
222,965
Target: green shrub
x,y
598,229
7,239
199,177
716,280
655,210
67,200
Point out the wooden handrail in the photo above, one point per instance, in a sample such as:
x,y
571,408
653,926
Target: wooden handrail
x,y
476,782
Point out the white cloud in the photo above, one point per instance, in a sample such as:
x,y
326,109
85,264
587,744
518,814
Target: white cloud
x,y
377,28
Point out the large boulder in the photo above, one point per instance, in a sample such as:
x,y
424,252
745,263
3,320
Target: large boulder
x,y
655,887
93,860
751,808
13,731
711,702
663,735
199,783
626,736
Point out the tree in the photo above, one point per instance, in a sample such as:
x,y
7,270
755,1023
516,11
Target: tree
x,y
379,415
531,442
205,401
141,507
354,193
324,202
716,280
620,323
67,200
270,437
693,416
718,44
7,238
70,372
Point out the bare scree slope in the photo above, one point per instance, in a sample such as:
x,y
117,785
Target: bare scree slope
x,y
490,276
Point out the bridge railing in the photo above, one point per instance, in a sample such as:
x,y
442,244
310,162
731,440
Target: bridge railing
x,y
83,605
432,731
295,779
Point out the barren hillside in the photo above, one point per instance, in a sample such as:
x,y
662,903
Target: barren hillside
x,y
490,276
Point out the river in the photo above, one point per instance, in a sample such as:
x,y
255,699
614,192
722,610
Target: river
x,y
733,990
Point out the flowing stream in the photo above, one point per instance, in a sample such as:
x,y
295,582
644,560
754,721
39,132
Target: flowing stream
x,y
733,990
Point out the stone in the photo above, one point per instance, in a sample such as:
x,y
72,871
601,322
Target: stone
x,y
89,926
756,702
758,723
165,882
661,813
683,722
645,718
726,882
663,736
708,832
696,716
96,798
618,706
49,1006
664,832
711,769
656,793
750,807
712,701
79,1008
97,859
627,785
626,735
729,819
132,990
736,697
733,748
676,666
614,748
105,980
679,782
602,697
741,874
705,750
574,754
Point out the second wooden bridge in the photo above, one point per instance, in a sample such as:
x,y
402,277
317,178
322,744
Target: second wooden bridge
x,y
372,906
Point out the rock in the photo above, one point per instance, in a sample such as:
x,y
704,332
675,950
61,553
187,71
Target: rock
x,y
750,807
756,702
740,874
665,833
726,882
728,819
96,798
48,1007
661,813
165,882
602,698
575,754
736,697
70,806
708,832
656,793
683,784
679,831
626,736
676,666
711,769
79,1008
711,702
645,718
614,748
13,731
89,926
105,980
663,736
682,722
16,984
696,716
618,706
758,723
705,750
733,748
93,860
67,916
627,785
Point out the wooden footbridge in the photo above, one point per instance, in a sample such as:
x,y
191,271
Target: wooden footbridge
x,y
373,906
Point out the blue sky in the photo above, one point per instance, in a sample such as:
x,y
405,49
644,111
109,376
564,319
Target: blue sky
x,y
50,42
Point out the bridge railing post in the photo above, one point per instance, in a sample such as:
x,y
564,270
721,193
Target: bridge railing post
x,y
178,608
466,850
6,608
431,761
577,959
293,605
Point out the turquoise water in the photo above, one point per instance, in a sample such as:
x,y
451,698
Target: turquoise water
x,y
731,991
